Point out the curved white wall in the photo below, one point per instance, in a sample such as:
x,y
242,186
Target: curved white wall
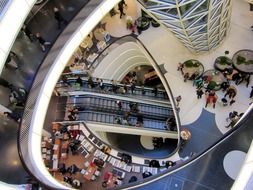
x,y
10,25
120,61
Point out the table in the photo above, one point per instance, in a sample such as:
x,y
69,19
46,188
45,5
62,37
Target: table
x,y
98,153
194,68
90,172
100,34
111,181
185,134
226,65
77,68
101,45
245,63
91,58
87,43
56,148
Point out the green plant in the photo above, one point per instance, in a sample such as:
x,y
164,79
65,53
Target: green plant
x,y
212,85
223,60
129,24
250,62
196,64
188,63
240,59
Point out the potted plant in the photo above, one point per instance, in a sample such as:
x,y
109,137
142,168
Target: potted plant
x,y
250,62
154,23
142,23
129,24
212,85
240,60
188,63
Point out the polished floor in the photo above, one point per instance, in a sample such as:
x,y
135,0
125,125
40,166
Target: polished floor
x,y
208,124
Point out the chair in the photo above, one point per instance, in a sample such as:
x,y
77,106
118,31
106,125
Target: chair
x,y
93,178
97,173
83,171
81,138
86,164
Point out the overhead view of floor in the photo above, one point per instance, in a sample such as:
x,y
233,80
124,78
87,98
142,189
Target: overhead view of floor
x,y
211,169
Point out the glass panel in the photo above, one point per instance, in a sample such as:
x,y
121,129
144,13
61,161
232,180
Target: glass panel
x,y
188,22
202,21
192,30
215,2
172,11
203,7
176,24
216,23
198,37
214,39
186,7
214,13
203,30
150,3
170,1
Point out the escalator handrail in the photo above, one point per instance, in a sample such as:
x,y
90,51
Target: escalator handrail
x,y
114,108
118,84
116,116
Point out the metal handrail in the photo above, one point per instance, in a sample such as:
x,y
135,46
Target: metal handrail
x,y
114,109
131,119
161,94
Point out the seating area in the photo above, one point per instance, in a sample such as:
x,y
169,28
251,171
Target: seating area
x,y
86,54
72,152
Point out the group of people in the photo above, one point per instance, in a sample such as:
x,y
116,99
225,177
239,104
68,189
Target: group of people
x,y
211,97
110,180
233,118
37,37
72,114
133,109
129,85
72,182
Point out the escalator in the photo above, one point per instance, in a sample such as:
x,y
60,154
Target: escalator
x,y
104,115
70,87
106,104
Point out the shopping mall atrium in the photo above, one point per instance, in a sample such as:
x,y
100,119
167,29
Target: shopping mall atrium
x,y
126,94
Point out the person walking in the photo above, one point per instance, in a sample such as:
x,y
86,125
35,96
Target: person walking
x,y
247,79
251,93
28,32
79,81
132,87
155,91
42,42
178,99
119,104
199,93
5,83
121,8
59,18
13,115
11,60
180,68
